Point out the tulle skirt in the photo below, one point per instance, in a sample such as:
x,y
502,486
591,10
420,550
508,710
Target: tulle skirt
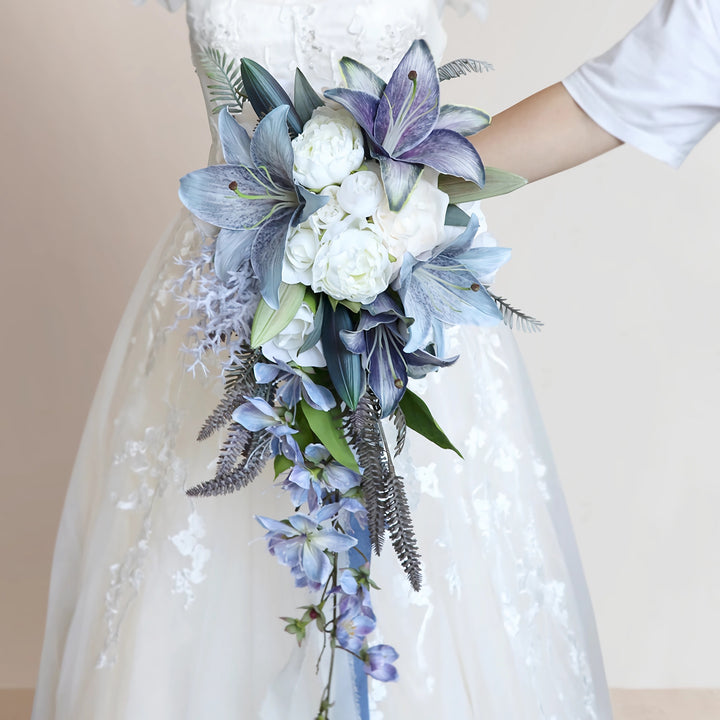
x,y
167,607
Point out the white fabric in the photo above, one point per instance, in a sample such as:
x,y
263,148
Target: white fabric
x,y
166,607
659,88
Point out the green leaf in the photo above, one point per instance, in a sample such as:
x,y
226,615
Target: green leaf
x,y
456,217
228,90
497,182
328,428
352,305
281,464
419,418
267,322
306,99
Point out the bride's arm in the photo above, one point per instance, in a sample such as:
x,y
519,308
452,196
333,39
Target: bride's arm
x,y
657,89
542,135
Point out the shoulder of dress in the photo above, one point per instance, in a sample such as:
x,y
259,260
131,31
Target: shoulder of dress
x,y
479,7
171,5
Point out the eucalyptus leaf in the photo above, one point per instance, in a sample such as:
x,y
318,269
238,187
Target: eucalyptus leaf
x,y
419,418
456,217
497,182
328,428
267,322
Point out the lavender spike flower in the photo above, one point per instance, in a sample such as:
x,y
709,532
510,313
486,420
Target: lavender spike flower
x,y
405,126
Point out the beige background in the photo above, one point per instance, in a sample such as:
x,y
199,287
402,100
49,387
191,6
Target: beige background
x,y
101,116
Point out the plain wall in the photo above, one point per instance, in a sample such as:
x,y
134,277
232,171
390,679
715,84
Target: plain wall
x,y
102,114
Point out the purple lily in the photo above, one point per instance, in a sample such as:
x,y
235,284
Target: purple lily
x,y
253,199
257,414
448,288
300,541
379,661
381,340
295,384
405,126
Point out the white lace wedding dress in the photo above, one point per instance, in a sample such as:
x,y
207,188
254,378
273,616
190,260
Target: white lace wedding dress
x,y
166,607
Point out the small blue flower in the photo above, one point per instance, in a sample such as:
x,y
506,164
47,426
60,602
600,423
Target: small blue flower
x,y
295,384
355,623
257,414
379,661
300,541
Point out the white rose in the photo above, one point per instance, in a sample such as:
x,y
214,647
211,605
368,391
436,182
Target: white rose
x,y
360,194
300,250
419,226
285,345
329,148
353,264
330,213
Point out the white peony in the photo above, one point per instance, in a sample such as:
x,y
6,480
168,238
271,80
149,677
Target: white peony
x,y
353,264
285,345
329,148
330,213
360,194
419,226
300,250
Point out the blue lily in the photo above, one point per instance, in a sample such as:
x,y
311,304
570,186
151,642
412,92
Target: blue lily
x,y
405,126
253,198
295,384
381,340
448,288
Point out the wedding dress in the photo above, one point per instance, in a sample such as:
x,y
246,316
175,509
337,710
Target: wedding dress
x,y
164,606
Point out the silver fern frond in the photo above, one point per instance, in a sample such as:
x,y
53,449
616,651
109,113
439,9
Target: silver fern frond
x,y
462,66
398,418
512,316
383,491
227,89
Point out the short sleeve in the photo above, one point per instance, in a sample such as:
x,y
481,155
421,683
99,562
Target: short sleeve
x,y
659,88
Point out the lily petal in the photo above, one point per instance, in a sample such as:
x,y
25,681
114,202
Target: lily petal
x,y
483,261
266,255
448,152
399,179
361,78
360,105
232,247
409,109
235,140
206,193
462,119
387,372
310,202
271,147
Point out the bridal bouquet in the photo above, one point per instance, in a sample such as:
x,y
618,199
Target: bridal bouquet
x,y
339,231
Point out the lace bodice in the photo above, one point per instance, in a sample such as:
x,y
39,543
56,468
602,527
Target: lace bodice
x,y
314,34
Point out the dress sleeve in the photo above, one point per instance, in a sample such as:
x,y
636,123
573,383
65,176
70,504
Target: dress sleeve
x,y
659,88
479,7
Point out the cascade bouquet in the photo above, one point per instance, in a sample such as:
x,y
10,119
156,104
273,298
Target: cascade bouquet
x,y
339,217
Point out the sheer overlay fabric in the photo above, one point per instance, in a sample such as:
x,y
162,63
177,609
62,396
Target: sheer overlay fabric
x,y
166,607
